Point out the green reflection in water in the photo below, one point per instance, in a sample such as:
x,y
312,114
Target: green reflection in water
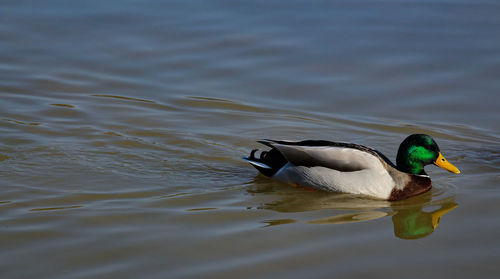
x,y
414,222
412,218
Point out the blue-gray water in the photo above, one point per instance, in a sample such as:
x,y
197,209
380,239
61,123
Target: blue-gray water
x,y
122,125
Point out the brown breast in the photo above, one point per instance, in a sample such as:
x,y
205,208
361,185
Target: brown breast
x,y
416,185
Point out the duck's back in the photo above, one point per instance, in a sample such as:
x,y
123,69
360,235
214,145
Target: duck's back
x,y
328,166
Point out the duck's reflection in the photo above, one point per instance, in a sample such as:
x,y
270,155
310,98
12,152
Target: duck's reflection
x,y
413,222
414,218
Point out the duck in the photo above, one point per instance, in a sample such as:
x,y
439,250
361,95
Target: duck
x,y
352,168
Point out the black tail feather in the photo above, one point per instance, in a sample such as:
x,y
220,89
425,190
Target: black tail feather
x,y
272,159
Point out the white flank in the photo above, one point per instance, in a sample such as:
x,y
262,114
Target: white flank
x,y
370,178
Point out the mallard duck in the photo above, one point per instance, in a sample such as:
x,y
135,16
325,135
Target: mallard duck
x,y
352,168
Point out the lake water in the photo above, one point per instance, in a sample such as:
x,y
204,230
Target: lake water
x,y
123,124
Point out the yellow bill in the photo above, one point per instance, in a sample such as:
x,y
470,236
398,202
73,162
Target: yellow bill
x,y
443,163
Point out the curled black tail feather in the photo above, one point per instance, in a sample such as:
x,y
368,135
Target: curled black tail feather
x,y
272,159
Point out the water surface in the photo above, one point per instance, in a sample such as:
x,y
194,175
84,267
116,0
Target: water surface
x,y
122,125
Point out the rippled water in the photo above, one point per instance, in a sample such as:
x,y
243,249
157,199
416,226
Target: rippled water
x,y
122,125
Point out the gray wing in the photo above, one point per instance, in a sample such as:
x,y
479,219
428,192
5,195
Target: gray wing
x,y
339,156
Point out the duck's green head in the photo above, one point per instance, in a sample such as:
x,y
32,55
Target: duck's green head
x,y
419,150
